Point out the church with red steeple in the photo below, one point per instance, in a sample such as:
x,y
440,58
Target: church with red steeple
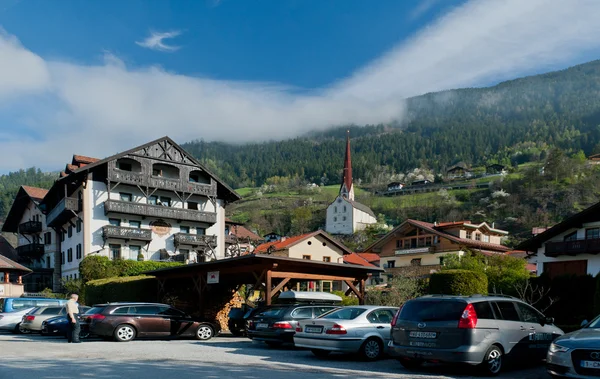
x,y
344,214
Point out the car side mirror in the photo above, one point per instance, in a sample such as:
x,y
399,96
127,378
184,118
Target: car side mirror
x,y
584,323
549,320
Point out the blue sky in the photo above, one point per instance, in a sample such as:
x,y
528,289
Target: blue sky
x,y
98,77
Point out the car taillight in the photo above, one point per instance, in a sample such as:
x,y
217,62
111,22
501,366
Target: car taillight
x,y
29,318
282,325
299,329
97,316
336,329
468,319
395,319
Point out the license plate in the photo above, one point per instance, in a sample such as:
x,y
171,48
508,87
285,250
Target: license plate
x,y
423,334
421,344
590,364
262,326
313,329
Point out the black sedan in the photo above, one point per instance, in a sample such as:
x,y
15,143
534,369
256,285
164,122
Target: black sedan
x,y
59,325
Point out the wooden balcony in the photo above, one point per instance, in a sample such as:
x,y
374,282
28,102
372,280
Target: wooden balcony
x,y
30,227
585,246
415,250
31,251
65,210
158,211
144,180
200,240
124,233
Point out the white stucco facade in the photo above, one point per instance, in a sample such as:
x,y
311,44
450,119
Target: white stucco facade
x,y
592,260
344,218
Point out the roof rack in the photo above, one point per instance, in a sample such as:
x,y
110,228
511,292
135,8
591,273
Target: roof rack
x,y
500,295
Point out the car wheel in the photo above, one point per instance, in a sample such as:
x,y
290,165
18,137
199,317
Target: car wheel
x,y
492,361
22,330
320,352
410,364
204,333
372,349
124,333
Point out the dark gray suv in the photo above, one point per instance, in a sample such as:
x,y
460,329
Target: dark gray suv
x,y
477,330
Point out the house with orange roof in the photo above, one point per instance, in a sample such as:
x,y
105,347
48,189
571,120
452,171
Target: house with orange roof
x,y
239,239
417,248
315,246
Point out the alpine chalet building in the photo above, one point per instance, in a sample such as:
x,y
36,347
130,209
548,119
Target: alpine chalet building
x,y
153,202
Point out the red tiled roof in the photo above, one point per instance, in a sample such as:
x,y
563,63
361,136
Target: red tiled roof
x,y
83,159
370,257
281,245
241,231
35,192
8,264
356,259
467,242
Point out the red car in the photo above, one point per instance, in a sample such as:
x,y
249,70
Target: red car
x,y
127,321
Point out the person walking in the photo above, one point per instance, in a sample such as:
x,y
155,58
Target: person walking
x,y
73,317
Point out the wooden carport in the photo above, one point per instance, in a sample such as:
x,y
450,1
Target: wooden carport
x,y
265,272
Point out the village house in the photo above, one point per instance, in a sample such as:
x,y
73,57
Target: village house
x,y
417,248
459,171
153,202
344,214
37,247
239,240
11,278
316,246
570,247
495,169
594,159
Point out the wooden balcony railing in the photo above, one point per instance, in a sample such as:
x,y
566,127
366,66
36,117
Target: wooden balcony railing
x,y
121,232
30,227
195,239
158,211
31,251
184,185
586,246
63,212
414,250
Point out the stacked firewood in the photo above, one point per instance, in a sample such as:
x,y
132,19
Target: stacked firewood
x,y
222,317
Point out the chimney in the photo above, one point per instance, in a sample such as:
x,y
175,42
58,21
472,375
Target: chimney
x,y
435,223
283,238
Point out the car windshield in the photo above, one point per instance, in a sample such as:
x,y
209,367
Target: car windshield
x,y
94,310
595,324
272,312
344,313
432,310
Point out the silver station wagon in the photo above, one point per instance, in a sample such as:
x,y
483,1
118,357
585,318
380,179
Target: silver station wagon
x,y
476,330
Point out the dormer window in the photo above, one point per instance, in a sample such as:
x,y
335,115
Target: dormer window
x,y
197,176
165,171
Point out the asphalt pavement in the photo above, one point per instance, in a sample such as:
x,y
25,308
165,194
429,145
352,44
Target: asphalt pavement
x,y
34,356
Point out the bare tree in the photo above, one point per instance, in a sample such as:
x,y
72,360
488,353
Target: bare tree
x,y
534,294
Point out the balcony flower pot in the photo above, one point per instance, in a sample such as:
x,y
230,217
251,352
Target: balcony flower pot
x,y
140,257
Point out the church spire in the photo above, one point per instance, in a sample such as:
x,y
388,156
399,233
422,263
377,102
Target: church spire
x,y
347,190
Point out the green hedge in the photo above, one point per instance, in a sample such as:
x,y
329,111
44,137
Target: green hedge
x,y
458,282
98,267
131,288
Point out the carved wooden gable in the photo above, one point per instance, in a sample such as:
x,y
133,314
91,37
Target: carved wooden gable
x,y
165,150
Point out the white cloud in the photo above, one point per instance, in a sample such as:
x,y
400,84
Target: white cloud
x,y
102,109
155,41
422,8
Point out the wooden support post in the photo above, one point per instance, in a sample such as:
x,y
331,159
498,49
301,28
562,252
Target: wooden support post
x,y
19,279
161,289
361,299
353,288
268,289
280,285
259,279
6,277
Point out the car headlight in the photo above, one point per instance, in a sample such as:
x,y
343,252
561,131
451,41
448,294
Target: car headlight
x,y
555,348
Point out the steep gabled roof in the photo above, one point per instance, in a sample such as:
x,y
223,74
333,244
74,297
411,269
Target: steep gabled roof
x,y
370,257
228,191
25,195
361,207
241,231
587,215
291,241
431,228
7,250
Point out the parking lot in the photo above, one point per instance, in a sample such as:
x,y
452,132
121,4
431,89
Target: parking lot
x,y
34,356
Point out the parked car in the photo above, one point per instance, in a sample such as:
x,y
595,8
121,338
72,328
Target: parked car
x,y
59,325
276,324
477,330
32,321
126,321
11,304
576,354
357,329
12,320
